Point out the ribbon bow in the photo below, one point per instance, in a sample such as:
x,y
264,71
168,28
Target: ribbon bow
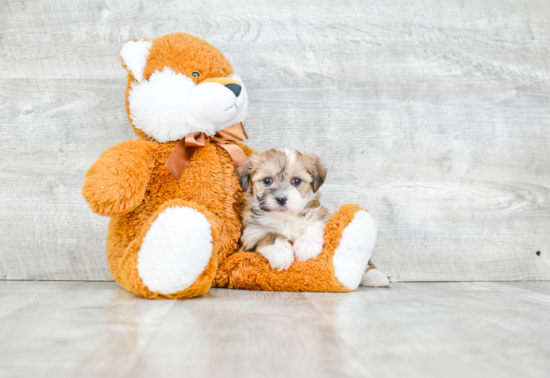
x,y
186,147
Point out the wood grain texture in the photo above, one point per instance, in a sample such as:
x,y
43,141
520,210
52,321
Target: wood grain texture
x,y
54,130
425,330
441,329
433,115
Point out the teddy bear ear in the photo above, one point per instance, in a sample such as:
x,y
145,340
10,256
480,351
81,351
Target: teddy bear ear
x,y
134,56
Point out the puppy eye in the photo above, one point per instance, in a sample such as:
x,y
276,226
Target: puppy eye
x,y
268,181
296,181
196,74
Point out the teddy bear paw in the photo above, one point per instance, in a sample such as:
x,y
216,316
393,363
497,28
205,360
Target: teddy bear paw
x,y
279,254
355,249
175,250
307,248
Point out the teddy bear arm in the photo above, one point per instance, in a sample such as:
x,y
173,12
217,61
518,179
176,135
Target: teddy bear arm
x,y
116,183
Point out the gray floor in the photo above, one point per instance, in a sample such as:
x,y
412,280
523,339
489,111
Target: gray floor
x,y
95,329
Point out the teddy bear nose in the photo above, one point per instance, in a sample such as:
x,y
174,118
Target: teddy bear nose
x,y
234,88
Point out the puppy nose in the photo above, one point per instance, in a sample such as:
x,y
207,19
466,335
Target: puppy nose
x,y
280,200
234,88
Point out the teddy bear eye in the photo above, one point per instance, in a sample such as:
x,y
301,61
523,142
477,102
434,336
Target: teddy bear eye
x,y
268,181
296,181
196,74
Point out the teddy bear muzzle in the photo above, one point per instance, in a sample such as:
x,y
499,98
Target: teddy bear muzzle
x,y
217,101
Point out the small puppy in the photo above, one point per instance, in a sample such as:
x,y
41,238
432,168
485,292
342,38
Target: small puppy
x,y
282,217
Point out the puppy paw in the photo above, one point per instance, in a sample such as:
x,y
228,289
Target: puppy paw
x,y
307,248
375,278
279,254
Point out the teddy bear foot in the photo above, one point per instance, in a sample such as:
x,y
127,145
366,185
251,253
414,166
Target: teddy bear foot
x,y
355,249
176,250
375,278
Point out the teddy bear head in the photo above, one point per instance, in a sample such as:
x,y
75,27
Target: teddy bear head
x,y
179,84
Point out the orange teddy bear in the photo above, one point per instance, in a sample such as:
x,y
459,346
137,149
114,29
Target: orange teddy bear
x,y
174,198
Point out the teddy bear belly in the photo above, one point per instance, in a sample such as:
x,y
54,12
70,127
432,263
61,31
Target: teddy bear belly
x,y
208,180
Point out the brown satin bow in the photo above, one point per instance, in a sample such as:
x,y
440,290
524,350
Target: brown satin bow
x,y
186,147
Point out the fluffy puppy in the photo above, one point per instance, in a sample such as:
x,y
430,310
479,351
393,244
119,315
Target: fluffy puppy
x,y
282,217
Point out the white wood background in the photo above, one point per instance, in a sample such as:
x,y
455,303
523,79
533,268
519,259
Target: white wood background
x,y
435,115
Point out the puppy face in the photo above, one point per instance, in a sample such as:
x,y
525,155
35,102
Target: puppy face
x,y
281,182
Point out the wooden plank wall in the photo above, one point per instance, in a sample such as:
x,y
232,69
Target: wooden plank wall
x,y
432,114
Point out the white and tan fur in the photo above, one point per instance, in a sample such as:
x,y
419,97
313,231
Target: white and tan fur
x,y
282,217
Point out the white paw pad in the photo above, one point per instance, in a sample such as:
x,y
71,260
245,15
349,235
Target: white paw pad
x,y
175,250
279,254
355,249
375,278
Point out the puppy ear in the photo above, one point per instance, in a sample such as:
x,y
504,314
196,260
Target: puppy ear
x,y
134,56
243,172
317,171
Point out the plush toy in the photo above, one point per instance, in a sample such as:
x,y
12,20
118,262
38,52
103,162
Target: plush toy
x,y
173,195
